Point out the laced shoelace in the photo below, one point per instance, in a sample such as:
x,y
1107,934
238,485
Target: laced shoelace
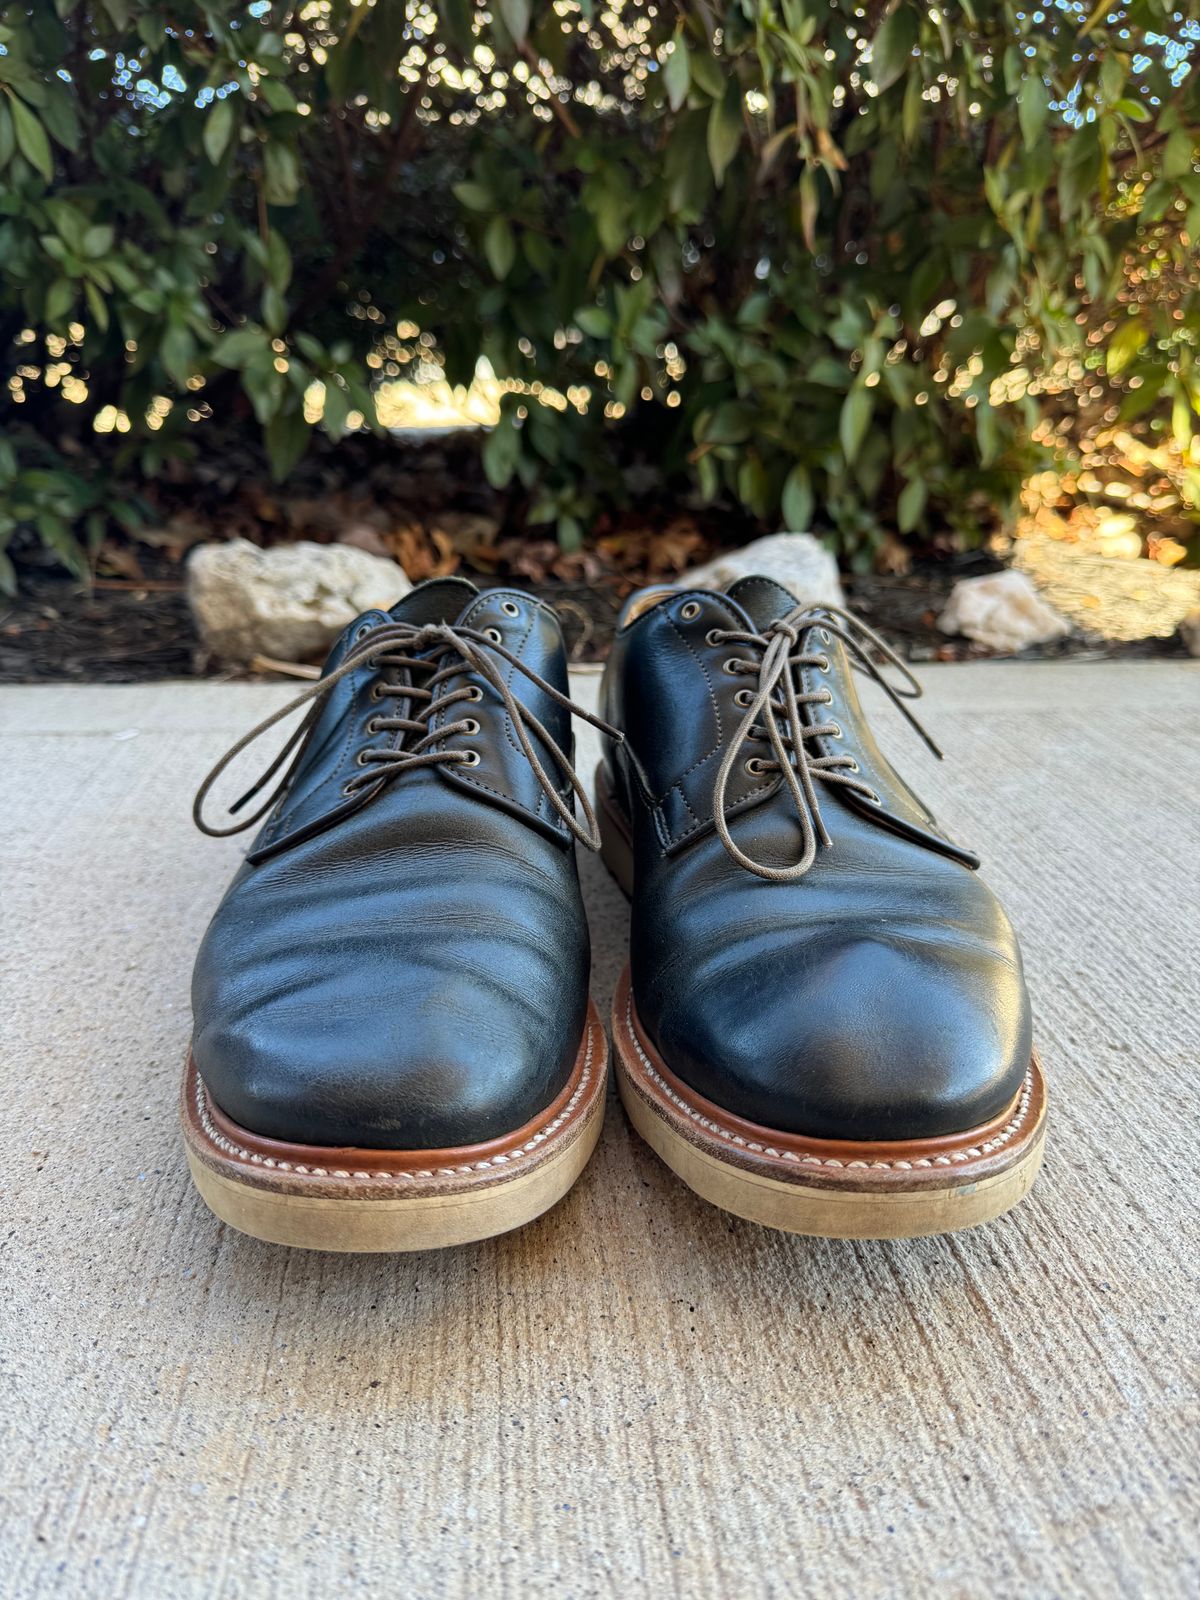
x,y
437,652
776,698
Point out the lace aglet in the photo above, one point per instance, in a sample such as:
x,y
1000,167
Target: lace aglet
x,y
245,799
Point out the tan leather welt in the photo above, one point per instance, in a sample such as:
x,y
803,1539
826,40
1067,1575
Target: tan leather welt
x,y
845,1150
350,1158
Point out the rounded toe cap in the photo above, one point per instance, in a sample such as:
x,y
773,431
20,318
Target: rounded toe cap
x,y
293,1086
873,1043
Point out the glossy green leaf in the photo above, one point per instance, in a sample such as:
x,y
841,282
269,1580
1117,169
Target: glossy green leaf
x,y
287,439
218,129
911,505
501,451
892,46
798,501
31,138
282,175
500,246
60,297
98,241
724,130
8,138
474,196
594,322
516,18
1180,154
97,306
677,74
853,422
337,409
1033,106
1124,344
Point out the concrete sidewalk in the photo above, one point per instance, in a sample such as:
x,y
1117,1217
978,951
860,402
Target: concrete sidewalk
x,y
637,1394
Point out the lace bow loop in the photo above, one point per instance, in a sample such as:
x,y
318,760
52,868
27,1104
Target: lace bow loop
x,y
775,712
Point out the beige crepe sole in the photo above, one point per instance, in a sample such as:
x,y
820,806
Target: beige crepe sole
x,y
321,1198
834,1189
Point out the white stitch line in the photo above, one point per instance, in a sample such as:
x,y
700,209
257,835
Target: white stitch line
x,y
955,1158
227,1146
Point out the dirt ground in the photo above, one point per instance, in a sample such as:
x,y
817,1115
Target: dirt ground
x,y
123,631
424,502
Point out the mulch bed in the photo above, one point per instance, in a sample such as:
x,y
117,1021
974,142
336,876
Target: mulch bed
x,y
424,502
119,631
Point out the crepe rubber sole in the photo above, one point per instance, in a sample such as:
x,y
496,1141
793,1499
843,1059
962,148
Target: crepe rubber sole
x,y
323,1198
830,1188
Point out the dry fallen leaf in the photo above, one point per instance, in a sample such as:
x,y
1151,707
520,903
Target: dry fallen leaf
x,y
1168,551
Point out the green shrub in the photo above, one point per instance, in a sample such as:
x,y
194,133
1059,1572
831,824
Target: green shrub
x,y
795,254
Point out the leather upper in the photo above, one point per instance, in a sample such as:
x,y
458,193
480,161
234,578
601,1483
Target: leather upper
x,y
879,996
404,966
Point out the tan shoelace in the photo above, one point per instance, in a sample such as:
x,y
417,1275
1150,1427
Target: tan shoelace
x,y
767,706
395,647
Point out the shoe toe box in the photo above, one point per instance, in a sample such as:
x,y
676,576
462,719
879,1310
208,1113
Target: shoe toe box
x,y
429,1025
861,1038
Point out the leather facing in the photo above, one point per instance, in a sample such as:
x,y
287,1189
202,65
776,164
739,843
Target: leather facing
x,y
878,997
679,672
406,969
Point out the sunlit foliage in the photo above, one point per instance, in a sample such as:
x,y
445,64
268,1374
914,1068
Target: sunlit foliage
x,y
801,255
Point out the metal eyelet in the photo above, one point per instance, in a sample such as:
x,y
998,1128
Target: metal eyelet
x,y
828,700
474,692
360,759
714,636
470,726
744,697
373,725
510,608
376,691
822,663
690,610
470,758
754,767
494,635
873,798
823,635
732,666
348,789
851,767
835,731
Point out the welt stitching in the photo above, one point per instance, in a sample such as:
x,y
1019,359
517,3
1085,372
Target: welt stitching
x,y
401,1179
955,1158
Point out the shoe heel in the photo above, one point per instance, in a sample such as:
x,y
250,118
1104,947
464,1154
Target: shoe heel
x,y
616,847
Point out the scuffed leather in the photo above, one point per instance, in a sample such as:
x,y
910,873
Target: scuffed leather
x,y
409,971
880,996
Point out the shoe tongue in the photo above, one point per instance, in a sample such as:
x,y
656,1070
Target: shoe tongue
x,y
762,599
437,600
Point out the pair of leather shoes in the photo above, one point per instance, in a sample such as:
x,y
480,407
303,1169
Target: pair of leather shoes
x,y
824,1026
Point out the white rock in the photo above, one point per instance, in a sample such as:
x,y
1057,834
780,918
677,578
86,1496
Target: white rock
x,y
290,602
796,560
1003,611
